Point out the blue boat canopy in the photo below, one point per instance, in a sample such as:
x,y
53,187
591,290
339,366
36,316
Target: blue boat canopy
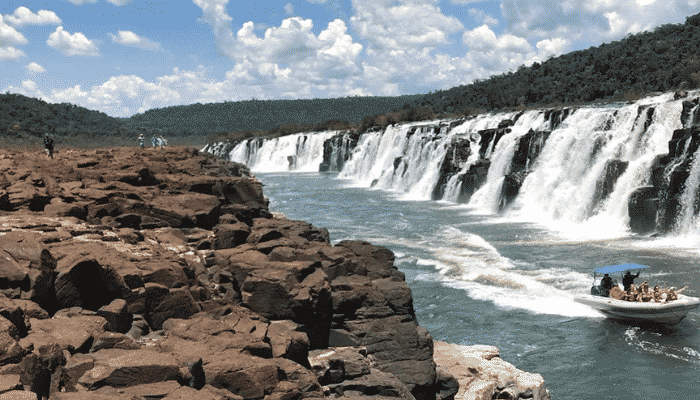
x,y
611,269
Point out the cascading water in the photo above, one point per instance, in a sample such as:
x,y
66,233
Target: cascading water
x,y
302,152
587,164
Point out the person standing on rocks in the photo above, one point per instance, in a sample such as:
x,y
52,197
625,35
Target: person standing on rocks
x,y
141,141
48,144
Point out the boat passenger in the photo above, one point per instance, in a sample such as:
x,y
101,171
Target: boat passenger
x,y
628,279
645,296
656,294
629,294
606,284
672,295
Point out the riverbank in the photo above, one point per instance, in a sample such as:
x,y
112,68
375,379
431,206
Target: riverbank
x,y
172,256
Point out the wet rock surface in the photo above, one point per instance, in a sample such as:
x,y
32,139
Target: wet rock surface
x,y
128,273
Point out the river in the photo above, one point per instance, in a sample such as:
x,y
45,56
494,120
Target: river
x,y
484,279
589,186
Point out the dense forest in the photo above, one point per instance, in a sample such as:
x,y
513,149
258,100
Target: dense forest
x,y
22,115
665,59
256,115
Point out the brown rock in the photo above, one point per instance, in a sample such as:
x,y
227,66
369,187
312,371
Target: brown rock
x,y
122,368
157,390
177,303
117,315
288,342
207,393
230,235
114,340
187,210
335,365
399,346
74,334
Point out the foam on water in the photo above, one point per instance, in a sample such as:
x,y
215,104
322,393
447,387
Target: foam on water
x,y
650,342
466,261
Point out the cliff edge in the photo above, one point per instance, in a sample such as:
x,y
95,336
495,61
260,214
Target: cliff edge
x,y
144,273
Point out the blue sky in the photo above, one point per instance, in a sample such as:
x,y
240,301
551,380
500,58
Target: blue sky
x,y
122,57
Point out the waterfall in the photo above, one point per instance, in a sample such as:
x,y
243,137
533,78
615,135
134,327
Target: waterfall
x,y
404,159
575,170
302,152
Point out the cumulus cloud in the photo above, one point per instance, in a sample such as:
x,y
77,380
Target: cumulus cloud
x,y
215,14
24,16
128,38
9,53
35,68
388,26
71,45
591,20
9,36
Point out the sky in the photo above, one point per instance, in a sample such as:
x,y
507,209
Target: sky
x,y
123,57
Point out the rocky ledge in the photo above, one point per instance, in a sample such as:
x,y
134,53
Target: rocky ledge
x,y
142,274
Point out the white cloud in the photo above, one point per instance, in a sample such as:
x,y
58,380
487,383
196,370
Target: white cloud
x,y
70,45
119,3
35,68
482,18
387,26
10,53
9,36
463,2
24,16
591,21
29,85
216,15
128,38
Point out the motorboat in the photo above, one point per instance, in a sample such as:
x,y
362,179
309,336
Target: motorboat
x,y
668,312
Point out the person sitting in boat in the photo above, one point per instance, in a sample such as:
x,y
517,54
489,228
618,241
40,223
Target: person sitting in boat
x,y
629,294
628,279
656,294
645,295
606,284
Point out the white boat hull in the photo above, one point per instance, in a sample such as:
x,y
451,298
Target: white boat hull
x,y
669,313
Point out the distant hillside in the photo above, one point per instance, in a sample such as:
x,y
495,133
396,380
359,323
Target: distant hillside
x,y
26,117
264,114
663,60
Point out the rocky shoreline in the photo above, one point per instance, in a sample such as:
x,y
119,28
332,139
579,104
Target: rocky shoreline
x,y
142,273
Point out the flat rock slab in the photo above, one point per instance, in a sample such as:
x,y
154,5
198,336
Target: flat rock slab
x,y
122,368
73,334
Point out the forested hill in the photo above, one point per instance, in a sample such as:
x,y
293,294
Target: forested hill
x,y
663,60
22,116
264,114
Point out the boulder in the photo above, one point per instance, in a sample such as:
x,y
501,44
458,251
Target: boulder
x,y
176,303
117,315
228,236
187,210
241,331
288,342
334,365
114,340
122,368
398,345
75,333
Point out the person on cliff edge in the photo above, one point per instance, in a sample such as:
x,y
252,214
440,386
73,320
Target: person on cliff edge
x,y
628,279
48,144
